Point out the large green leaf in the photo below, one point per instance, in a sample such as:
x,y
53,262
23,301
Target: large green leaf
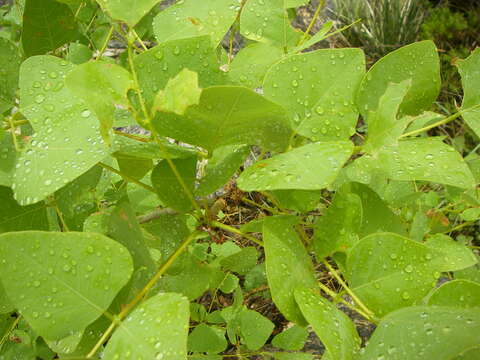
x,y
103,87
156,66
61,282
310,167
427,159
14,217
223,164
255,328
469,70
318,89
47,25
388,271
457,293
426,333
9,66
335,329
228,115
190,18
156,329
126,11
250,65
383,126
288,265
67,141
267,21
419,62
456,256
169,189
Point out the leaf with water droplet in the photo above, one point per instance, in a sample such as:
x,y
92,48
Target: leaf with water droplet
x,y
418,61
318,92
255,328
293,338
66,142
456,256
189,18
121,10
228,115
9,64
8,158
223,164
47,25
159,64
251,63
388,271
267,21
205,338
468,69
456,293
426,332
103,87
180,92
335,329
298,200
310,167
38,266
156,329
288,264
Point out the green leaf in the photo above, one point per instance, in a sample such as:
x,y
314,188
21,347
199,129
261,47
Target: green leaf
x,y
456,256
383,126
103,87
14,217
61,282
255,329
6,305
271,25
426,159
468,69
318,89
335,329
250,65
472,214
228,115
409,333
292,356
156,329
205,338
228,284
288,265
223,164
457,293
78,53
310,167
472,273
67,141
293,338
8,157
159,64
127,12
190,18
180,92
241,262
419,62
47,25
388,271
298,200
317,37
169,189
9,67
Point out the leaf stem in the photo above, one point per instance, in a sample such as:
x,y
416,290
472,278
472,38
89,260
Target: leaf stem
x,y
13,326
12,131
105,44
127,177
139,40
362,306
320,6
439,123
235,231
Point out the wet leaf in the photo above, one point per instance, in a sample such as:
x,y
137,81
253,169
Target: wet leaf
x,y
335,329
439,333
288,265
293,338
9,67
419,62
255,329
76,275
157,329
310,167
469,70
205,338
318,89
457,293
121,10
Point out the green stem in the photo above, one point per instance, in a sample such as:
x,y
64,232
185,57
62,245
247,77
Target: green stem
x,y
320,6
264,207
105,44
13,326
235,231
126,177
439,123
362,306
139,40
14,136
139,297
